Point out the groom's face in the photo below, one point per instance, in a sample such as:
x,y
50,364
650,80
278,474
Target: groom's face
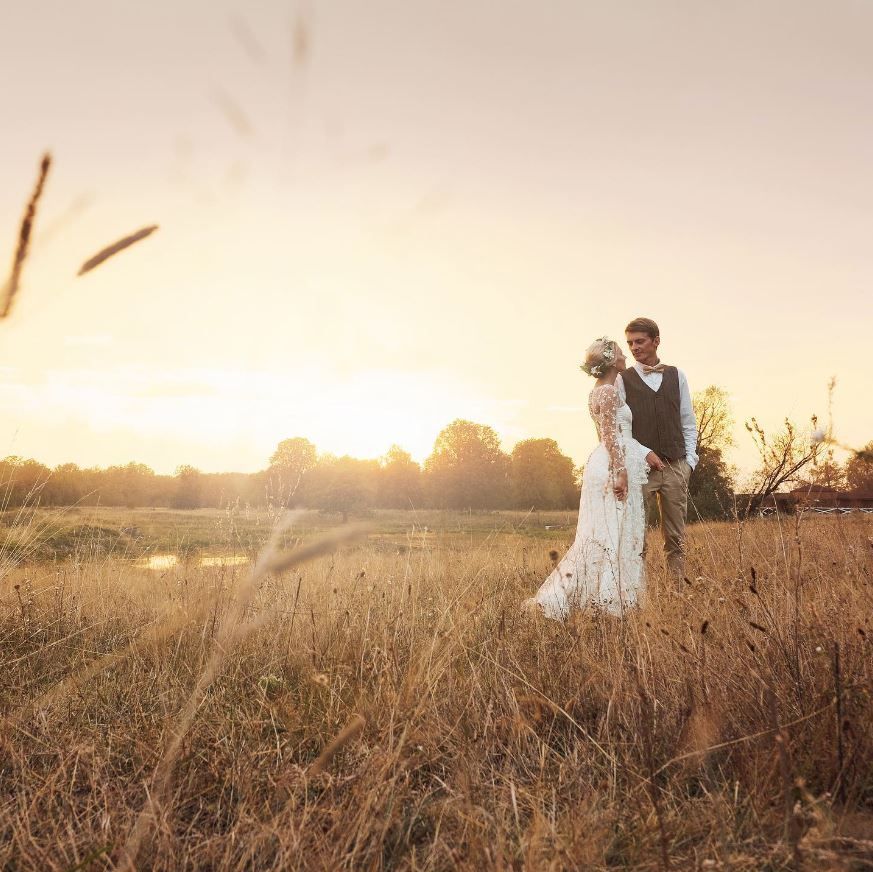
x,y
643,347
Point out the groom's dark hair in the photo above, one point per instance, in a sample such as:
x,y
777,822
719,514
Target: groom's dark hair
x,y
643,325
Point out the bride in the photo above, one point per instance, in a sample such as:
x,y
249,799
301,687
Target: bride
x,y
604,566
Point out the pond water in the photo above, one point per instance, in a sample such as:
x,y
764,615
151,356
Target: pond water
x,y
227,560
160,562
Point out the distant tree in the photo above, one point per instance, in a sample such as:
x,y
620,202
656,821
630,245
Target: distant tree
x,y
290,462
783,458
66,486
541,476
91,482
188,488
222,489
342,484
711,488
130,485
825,472
467,468
859,470
22,481
399,484
714,419
257,489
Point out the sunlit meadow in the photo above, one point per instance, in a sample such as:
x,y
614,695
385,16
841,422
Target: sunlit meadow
x,y
389,707
355,223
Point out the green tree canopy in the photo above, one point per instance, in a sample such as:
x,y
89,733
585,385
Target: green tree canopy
x,y
859,470
714,419
189,483
399,485
289,463
541,476
22,480
711,488
342,484
467,468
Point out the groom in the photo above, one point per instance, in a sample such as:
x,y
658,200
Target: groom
x,y
660,401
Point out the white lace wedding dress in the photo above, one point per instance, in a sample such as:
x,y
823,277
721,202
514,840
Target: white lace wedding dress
x,y
604,566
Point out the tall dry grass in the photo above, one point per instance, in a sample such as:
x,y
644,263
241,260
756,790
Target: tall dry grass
x,y
9,290
391,708
120,245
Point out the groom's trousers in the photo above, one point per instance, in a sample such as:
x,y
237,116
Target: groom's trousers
x,y
667,489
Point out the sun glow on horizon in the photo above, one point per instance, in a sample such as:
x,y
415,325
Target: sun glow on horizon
x,y
428,219
194,415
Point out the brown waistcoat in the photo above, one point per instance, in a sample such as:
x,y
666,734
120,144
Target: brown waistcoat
x,y
657,423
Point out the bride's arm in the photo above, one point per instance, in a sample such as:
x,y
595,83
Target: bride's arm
x,y
607,424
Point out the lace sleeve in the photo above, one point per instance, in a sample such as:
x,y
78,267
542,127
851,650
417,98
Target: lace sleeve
x,y
605,409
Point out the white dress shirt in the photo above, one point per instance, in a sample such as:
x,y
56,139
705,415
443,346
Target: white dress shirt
x,y
686,409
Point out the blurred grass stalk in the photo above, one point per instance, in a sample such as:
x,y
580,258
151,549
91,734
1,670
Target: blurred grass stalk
x,y
10,289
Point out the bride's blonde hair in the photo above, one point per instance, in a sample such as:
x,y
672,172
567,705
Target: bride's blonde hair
x,y
599,356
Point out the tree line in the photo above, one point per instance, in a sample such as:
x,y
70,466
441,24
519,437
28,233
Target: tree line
x,y
467,469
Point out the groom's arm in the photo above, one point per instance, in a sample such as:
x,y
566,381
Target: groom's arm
x,y
689,422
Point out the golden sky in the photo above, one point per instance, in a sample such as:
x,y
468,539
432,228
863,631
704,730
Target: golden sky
x,y
423,211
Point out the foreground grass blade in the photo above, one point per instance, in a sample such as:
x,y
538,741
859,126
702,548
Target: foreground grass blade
x,y
115,248
10,290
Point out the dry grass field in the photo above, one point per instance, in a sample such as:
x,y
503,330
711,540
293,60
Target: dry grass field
x,y
388,707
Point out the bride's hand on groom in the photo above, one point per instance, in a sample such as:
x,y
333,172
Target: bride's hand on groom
x,y
654,461
620,485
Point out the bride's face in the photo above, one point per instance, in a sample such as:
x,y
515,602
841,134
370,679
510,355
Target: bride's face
x,y
620,360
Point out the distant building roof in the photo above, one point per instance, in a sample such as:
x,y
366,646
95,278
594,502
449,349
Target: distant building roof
x,y
821,497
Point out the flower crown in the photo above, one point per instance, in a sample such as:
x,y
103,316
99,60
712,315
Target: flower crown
x,y
606,353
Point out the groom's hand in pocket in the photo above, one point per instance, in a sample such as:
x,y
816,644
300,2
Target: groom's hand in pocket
x,y
654,461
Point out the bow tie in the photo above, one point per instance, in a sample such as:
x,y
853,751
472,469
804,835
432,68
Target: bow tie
x,y
658,367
